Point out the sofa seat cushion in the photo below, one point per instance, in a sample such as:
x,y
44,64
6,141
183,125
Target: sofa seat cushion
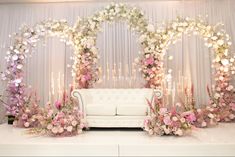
x,y
100,110
132,110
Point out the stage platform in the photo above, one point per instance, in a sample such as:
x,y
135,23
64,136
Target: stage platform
x,y
217,141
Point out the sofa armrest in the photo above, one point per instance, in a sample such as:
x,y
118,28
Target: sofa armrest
x,y
78,96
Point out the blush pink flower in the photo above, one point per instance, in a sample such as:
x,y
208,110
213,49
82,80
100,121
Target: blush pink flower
x,y
167,120
58,104
232,105
24,116
191,117
162,111
149,61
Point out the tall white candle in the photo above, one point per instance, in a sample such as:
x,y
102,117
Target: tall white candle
x,y
59,86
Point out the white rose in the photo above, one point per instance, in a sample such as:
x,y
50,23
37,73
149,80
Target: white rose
x,y
220,42
182,120
74,123
26,124
61,130
174,119
217,95
203,124
179,132
231,116
150,28
69,128
211,116
49,126
79,131
54,130
224,61
142,38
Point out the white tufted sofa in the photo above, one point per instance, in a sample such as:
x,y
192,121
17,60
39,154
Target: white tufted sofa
x,y
114,107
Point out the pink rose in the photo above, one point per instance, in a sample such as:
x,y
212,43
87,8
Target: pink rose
x,y
191,117
149,61
58,104
87,77
24,116
163,111
167,120
69,128
26,124
232,105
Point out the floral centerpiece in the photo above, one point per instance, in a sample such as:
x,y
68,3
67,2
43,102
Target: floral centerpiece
x,y
166,122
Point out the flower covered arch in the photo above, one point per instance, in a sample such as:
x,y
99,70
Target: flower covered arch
x,y
85,69
215,38
23,44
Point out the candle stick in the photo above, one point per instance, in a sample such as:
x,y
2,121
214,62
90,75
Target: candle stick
x,y
107,66
173,94
52,86
59,88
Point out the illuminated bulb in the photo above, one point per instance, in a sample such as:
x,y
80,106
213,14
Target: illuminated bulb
x,y
170,71
232,60
170,57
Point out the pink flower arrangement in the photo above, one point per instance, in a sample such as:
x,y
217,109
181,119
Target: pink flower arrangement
x,y
202,117
165,122
222,105
29,113
66,120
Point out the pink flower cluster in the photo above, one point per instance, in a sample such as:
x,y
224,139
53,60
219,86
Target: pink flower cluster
x,y
87,70
152,70
62,119
166,122
201,118
29,113
63,122
222,102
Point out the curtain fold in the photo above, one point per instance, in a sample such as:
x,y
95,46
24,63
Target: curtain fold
x,y
118,46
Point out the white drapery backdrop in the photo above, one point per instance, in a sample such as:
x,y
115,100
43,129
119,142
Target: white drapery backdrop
x,y
118,46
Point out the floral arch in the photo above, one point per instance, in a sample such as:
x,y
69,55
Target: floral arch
x,y
215,38
85,70
23,44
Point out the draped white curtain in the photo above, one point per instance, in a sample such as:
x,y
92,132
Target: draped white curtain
x,y
118,46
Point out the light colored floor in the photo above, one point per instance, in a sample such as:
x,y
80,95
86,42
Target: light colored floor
x,y
218,141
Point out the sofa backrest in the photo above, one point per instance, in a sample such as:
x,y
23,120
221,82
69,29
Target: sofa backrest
x,y
133,96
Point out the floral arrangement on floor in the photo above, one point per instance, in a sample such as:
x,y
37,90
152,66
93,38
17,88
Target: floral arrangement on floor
x,y
204,117
29,113
163,121
62,119
223,106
